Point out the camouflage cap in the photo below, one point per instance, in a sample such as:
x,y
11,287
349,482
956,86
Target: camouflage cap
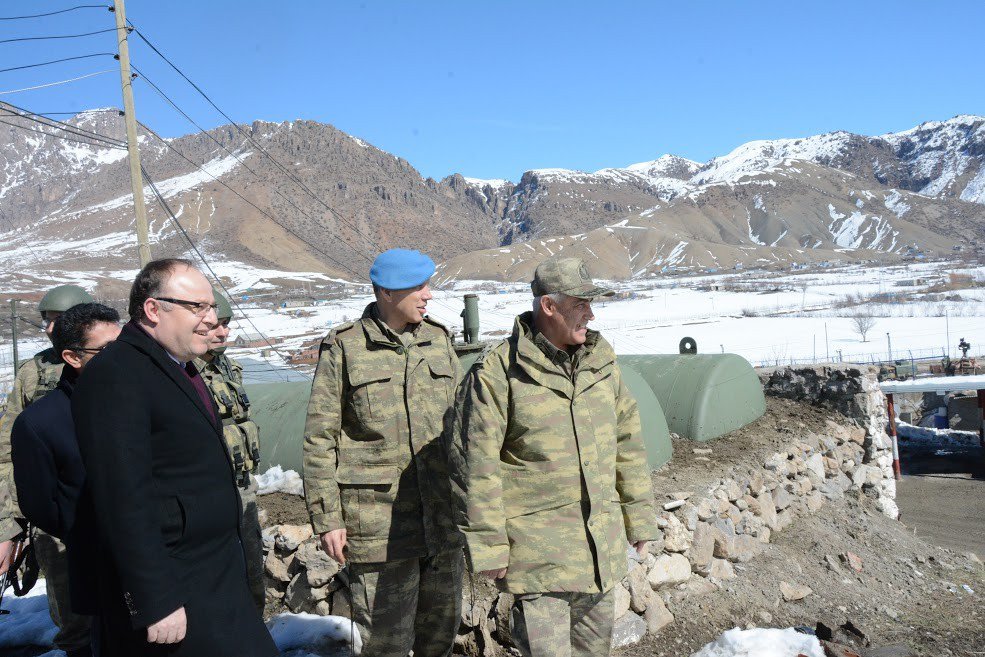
x,y
566,276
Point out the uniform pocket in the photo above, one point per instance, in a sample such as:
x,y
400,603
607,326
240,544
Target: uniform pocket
x,y
371,393
367,493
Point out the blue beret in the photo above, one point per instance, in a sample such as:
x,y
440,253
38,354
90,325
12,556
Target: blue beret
x,y
400,269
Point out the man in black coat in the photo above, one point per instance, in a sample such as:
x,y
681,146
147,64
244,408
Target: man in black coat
x,y
48,468
161,483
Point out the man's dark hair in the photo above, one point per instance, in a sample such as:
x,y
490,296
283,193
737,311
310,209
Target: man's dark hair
x,y
72,325
150,281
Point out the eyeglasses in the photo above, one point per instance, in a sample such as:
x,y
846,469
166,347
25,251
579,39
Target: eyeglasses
x,y
198,308
87,350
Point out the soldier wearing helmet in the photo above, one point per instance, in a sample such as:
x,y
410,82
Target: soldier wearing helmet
x,y
223,376
35,378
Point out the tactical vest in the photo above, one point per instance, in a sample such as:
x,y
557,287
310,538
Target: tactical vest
x,y
48,375
224,380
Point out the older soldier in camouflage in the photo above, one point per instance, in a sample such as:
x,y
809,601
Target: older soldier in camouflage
x,y
35,378
549,469
223,376
375,467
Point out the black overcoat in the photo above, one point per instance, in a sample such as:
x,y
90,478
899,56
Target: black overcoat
x,y
162,507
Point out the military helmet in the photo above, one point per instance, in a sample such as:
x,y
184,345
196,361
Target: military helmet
x,y
222,308
61,298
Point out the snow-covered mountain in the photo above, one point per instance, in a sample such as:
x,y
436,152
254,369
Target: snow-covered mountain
x,y
65,207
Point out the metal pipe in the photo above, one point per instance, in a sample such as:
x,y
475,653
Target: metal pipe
x,y
470,315
981,411
897,472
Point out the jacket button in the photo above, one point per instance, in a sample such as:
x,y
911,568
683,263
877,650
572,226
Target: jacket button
x,y
400,350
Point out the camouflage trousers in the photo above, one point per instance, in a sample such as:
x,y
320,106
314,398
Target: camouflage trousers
x,y
563,624
73,629
408,604
252,543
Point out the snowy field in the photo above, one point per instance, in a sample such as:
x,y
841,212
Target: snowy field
x,y
919,311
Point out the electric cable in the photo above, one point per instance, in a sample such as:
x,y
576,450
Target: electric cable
x,y
48,134
55,84
226,149
59,36
252,204
53,13
56,61
59,125
249,137
229,295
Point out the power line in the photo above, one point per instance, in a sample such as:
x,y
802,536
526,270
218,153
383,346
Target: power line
x,y
48,134
232,299
223,147
59,36
260,148
55,84
251,203
59,125
55,61
53,13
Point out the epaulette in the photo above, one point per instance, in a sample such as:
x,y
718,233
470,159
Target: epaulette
x,y
488,348
434,322
330,338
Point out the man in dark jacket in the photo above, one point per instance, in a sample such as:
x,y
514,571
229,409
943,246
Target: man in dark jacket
x,y
163,493
48,470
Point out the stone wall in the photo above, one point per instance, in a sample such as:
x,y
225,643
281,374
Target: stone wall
x,y
704,533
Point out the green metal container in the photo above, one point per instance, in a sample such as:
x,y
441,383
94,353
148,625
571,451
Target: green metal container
x,y
656,434
703,396
279,409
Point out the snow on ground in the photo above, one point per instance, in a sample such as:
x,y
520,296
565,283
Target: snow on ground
x,y
277,480
293,631
759,642
938,437
28,623
769,318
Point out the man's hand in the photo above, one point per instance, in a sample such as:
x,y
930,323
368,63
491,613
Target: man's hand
x,y
333,543
6,555
640,547
495,573
170,629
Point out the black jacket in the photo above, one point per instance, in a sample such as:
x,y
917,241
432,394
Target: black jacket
x,y
164,506
48,468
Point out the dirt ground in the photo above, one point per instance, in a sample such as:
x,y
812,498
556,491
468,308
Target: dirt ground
x,y
910,591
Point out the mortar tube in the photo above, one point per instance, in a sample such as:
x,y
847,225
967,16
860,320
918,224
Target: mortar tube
x,y
897,472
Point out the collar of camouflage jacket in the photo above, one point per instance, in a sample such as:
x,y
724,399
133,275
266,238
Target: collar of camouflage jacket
x,y
377,331
551,372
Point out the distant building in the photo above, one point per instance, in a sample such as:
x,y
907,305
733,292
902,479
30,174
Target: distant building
x,y
252,340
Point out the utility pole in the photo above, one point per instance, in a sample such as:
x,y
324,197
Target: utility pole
x,y
889,345
136,180
13,329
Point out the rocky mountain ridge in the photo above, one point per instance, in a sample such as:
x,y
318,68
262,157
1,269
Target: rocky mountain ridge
x,y
66,206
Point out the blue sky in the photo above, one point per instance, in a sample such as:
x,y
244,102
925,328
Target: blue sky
x,y
490,89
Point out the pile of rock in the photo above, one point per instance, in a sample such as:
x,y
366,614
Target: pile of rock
x,y
301,575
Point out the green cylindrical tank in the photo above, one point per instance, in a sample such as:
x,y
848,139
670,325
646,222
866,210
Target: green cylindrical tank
x,y
656,435
703,396
279,409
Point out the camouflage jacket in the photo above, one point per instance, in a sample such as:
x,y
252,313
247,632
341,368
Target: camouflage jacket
x,y
223,377
374,461
35,378
548,466
8,511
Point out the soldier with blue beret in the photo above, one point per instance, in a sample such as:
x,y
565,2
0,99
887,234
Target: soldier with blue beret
x,y
375,466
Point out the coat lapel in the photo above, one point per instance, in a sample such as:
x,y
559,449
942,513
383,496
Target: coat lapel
x,y
145,343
